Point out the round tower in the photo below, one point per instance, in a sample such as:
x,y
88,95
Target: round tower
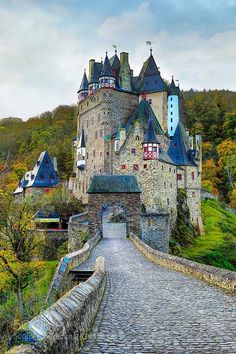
x,y
173,108
106,79
83,90
150,143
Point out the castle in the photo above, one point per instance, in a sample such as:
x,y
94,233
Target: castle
x,y
135,125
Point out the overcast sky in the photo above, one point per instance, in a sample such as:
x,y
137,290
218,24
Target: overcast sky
x,y
46,44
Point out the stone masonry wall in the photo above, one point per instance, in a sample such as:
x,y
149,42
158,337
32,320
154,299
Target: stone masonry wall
x,y
130,202
193,187
159,106
77,226
156,230
99,116
63,327
156,178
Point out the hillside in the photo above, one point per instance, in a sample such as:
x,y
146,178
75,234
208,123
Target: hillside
x,y
22,141
211,113
218,246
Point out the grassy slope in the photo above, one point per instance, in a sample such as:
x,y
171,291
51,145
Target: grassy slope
x,y
34,296
218,246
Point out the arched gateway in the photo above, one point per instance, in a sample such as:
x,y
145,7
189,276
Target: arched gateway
x,y
114,199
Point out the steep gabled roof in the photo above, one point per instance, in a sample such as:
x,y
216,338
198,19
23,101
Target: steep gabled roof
x,y
142,114
179,150
106,70
113,184
150,79
96,72
115,65
150,136
42,175
84,83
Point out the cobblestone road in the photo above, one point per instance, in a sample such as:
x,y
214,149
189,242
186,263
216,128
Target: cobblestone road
x,y
150,309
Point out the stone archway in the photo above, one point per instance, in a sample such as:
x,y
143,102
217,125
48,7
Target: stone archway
x,y
114,220
119,191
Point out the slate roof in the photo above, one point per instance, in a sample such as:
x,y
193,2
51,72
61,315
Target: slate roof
x,y
106,70
115,65
174,90
42,175
82,140
96,72
113,184
150,136
84,83
150,79
179,150
142,114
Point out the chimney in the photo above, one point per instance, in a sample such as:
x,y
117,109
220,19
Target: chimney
x,y
124,58
54,163
91,62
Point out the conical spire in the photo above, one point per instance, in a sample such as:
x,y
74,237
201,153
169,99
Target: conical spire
x,y
150,136
106,71
174,90
84,82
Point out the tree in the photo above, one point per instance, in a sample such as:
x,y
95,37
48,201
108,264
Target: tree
x,y
62,202
20,247
227,161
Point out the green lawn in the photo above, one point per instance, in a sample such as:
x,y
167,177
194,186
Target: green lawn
x,y
218,246
34,296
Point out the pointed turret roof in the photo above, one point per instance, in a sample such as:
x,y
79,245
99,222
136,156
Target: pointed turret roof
x,y
82,140
179,150
174,90
84,83
150,79
150,136
106,70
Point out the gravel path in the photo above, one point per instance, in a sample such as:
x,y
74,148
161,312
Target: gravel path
x,y
150,309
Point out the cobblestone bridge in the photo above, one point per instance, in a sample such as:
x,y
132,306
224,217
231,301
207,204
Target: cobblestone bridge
x,y
150,309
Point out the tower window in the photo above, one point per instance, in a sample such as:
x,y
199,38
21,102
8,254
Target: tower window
x,y
168,201
171,105
192,174
135,167
171,120
179,177
169,169
171,98
145,166
171,128
107,153
94,153
123,167
133,151
171,113
100,154
87,155
164,184
150,100
137,137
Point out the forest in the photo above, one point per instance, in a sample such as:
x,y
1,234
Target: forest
x,y
211,113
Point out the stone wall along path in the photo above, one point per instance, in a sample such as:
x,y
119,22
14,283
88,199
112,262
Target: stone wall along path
x,y
151,309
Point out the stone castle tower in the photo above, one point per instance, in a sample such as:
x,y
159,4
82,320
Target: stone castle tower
x,y
136,125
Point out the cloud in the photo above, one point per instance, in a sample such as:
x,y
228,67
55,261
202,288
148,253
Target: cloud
x,y
45,45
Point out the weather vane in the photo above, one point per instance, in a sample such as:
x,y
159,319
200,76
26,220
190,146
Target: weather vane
x,y
114,46
150,45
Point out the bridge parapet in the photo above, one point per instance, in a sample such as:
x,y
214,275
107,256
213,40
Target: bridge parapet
x,y
64,326
222,278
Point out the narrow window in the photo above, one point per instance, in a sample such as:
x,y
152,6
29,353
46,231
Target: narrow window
x,y
133,151
123,167
192,175
179,177
145,166
107,153
150,100
168,202
135,167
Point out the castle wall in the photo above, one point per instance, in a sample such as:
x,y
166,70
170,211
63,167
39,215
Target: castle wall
x,y
99,116
157,179
159,106
193,193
